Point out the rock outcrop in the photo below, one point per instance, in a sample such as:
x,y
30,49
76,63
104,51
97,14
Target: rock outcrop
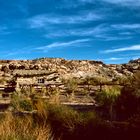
x,y
69,68
54,76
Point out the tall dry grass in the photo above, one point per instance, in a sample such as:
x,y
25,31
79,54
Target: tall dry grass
x,y
17,128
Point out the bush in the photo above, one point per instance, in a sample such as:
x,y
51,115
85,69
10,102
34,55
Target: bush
x,y
21,104
128,103
68,124
26,105
106,99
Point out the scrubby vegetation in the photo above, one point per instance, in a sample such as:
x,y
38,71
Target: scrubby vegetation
x,y
115,116
13,127
62,123
128,103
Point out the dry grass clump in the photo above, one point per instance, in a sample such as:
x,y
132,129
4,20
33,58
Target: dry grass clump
x,y
17,128
68,124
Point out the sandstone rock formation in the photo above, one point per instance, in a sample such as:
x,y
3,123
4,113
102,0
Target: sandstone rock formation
x,y
69,68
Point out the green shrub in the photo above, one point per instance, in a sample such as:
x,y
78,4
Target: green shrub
x,y
26,105
21,103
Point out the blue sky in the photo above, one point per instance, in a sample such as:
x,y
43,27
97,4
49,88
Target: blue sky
x,y
107,30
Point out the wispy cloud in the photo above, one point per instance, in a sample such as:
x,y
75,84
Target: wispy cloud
x,y
115,38
97,30
101,32
62,44
125,33
87,1
126,26
23,7
130,54
131,48
4,30
113,59
15,52
43,20
136,57
130,3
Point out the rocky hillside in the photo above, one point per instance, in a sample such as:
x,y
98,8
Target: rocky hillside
x,y
69,68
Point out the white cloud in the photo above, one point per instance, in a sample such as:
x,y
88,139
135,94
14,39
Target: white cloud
x,y
130,55
101,32
113,59
130,3
22,6
136,57
126,26
100,29
4,30
124,2
43,20
14,52
62,44
87,1
113,38
131,48
125,33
